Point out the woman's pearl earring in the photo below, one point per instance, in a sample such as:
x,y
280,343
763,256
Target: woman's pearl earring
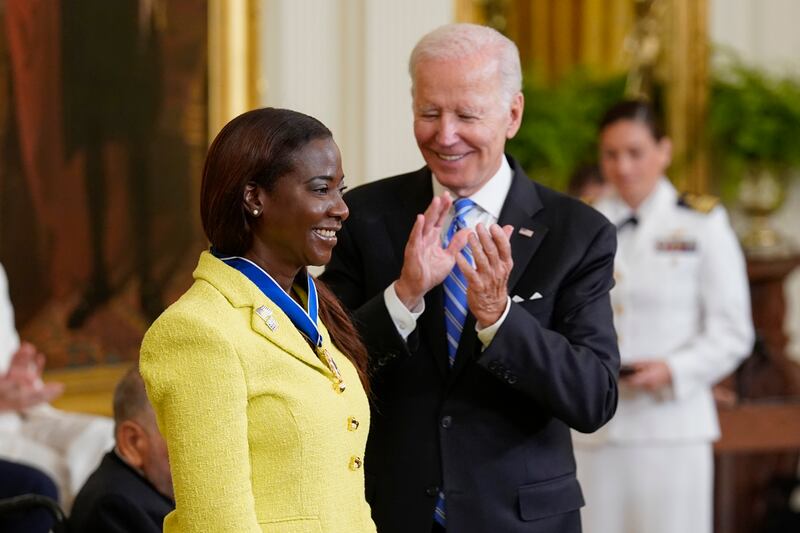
x,y
255,212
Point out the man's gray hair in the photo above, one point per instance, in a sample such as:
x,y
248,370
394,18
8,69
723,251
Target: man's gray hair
x,y
130,398
457,41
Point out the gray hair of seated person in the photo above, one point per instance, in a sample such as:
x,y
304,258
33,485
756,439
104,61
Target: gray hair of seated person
x,y
130,397
462,40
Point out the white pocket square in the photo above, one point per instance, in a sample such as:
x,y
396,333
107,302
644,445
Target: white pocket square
x,y
517,299
535,296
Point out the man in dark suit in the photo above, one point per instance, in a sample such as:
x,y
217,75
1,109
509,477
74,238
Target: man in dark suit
x,y
131,490
475,391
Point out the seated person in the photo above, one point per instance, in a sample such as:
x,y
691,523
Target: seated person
x,y
66,446
131,491
16,480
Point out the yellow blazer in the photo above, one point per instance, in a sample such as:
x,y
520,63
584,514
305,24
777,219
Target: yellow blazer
x,y
258,438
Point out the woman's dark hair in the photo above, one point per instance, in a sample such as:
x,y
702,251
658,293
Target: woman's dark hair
x,y
342,331
256,147
636,111
259,147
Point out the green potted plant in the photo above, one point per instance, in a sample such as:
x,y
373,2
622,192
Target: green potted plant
x,y
559,127
754,127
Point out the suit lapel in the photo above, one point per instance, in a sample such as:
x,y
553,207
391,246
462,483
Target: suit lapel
x,y
522,203
432,329
467,348
243,293
399,221
285,335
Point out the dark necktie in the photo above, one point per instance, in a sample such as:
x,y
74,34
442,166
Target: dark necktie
x,y
632,222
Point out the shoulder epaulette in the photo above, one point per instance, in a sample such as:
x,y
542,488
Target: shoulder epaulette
x,y
703,203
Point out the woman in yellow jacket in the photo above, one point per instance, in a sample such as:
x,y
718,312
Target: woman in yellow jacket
x,y
263,409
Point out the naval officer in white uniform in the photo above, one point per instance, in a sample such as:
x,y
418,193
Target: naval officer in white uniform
x,y
682,313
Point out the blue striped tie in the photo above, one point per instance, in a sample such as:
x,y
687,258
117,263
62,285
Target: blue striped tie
x,y
455,309
455,285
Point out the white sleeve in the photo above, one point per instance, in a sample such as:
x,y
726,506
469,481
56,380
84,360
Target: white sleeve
x,y
486,335
727,333
9,340
405,320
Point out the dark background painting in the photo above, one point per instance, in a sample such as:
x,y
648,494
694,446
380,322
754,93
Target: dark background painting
x,y
103,112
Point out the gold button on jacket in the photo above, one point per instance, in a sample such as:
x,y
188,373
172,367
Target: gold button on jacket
x,y
355,463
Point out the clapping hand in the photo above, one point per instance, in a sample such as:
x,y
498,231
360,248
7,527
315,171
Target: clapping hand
x,y
26,365
425,263
487,281
22,387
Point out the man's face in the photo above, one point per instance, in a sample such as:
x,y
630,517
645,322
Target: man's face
x,y
462,120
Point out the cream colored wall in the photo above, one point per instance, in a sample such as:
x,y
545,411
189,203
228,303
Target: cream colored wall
x,y
345,62
764,32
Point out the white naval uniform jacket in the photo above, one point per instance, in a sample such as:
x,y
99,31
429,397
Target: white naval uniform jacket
x,y
681,295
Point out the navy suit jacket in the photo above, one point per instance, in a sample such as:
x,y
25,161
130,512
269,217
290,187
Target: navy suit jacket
x,y
117,499
493,431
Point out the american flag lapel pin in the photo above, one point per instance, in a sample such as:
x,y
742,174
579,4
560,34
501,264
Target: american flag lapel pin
x,y
526,232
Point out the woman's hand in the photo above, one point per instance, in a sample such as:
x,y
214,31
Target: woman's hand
x,y
648,375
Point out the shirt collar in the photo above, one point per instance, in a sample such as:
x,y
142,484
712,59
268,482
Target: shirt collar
x,y
491,197
663,194
617,210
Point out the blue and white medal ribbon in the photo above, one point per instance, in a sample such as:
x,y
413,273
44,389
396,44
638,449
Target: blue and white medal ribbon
x,y
304,320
